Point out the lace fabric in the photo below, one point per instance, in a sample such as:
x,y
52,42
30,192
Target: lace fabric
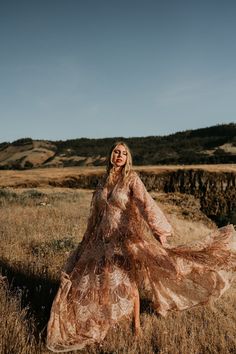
x,y
118,254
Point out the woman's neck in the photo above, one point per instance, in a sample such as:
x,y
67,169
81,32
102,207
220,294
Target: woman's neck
x,y
114,175
117,170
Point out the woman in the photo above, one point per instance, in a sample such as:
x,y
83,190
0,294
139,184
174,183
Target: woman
x,y
119,256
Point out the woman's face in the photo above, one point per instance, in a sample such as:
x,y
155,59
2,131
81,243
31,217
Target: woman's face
x,y
119,156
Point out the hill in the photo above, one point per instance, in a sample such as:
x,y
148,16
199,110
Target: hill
x,y
211,145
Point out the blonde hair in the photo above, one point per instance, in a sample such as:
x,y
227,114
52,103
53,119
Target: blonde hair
x,y
126,169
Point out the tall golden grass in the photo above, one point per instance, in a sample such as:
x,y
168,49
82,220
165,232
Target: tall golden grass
x,y
38,229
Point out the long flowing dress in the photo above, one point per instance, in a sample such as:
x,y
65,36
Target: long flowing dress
x,y
118,253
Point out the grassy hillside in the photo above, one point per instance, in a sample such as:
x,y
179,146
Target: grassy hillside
x,y
211,145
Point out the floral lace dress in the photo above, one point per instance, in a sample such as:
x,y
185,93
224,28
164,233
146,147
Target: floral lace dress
x,y
119,253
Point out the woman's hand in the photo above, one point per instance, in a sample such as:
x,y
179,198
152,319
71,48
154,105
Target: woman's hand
x,y
163,241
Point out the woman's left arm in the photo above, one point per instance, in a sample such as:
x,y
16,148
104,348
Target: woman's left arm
x,y
150,211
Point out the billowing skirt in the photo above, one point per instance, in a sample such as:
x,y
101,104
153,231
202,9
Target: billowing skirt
x,y
99,291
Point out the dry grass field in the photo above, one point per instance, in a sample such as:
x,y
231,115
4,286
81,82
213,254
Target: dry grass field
x,y
41,177
38,229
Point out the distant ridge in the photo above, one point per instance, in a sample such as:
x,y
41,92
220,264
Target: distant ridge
x,y
210,145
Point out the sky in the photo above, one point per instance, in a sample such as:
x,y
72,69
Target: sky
x,y
115,68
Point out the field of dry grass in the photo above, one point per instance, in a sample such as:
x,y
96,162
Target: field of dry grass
x,y
41,177
39,227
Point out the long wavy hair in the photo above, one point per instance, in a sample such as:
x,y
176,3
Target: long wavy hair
x,y
126,169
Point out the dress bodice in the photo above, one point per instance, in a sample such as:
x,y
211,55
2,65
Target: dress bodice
x,y
124,206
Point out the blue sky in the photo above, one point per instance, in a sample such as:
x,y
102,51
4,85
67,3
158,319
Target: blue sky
x,y
105,68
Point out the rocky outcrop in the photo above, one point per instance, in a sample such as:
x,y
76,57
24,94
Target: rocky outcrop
x,y
215,190
79,181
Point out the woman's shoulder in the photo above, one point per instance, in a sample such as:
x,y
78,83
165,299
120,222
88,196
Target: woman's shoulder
x,y
133,176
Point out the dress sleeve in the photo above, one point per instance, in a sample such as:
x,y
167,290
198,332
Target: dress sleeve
x,y
92,218
150,211
75,254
